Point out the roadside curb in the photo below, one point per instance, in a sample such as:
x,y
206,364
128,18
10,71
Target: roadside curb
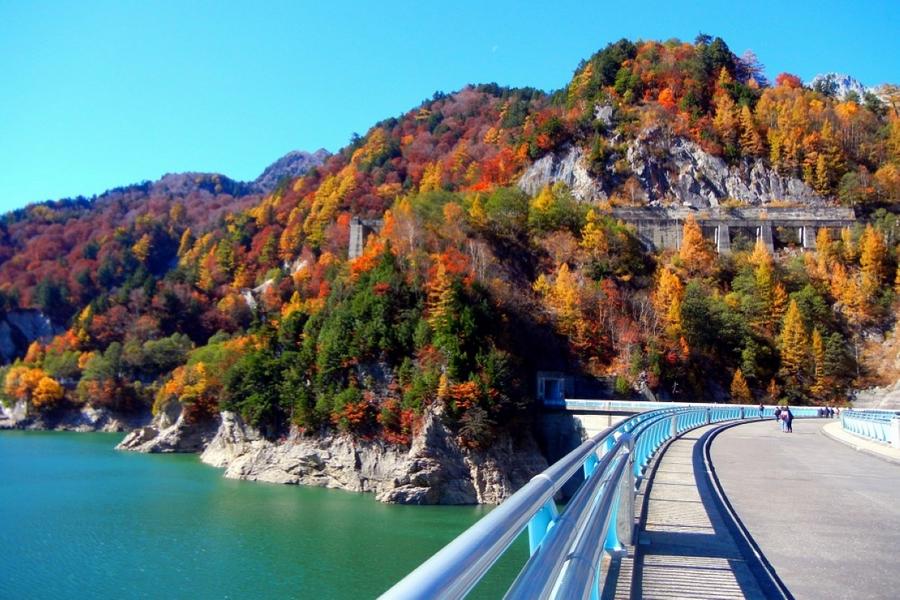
x,y
845,439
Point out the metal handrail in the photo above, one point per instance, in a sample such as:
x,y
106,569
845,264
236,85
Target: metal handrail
x,y
457,568
872,424
556,540
538,576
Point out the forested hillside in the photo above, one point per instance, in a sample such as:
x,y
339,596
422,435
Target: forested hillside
x,y
471,284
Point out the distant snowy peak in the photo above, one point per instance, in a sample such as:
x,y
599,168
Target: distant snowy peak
x,y
837,85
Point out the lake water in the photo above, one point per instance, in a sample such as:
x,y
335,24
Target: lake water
x,y
81,520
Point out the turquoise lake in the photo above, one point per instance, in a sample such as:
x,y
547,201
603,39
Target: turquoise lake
x,y
81,520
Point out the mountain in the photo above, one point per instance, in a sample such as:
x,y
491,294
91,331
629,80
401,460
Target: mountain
x,y
290,166
489,257
45,242
838,85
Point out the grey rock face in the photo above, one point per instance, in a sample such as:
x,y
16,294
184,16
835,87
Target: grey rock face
x,y
567,167
680,170
18,328
673,170
82,419
169,432
292,164
883,398
434,470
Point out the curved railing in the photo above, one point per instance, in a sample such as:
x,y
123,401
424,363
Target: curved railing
x,y
643,406
872,424
565,555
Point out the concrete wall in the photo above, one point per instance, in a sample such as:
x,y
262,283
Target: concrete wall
x,y
661,228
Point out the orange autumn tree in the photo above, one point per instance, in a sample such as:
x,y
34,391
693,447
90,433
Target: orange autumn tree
x,y
740,391
695,253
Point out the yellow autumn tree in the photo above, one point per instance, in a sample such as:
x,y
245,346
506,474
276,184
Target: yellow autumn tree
x,y
440,298
820,384
141,248
725,119
667,299
751,141
47,393
824,252
563,298
431,177
695,252
873,252
593,237
848,247
21,381
793,344
740,391
477,214
35,353
187,240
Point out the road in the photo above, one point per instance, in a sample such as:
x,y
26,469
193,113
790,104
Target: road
x,y
826,517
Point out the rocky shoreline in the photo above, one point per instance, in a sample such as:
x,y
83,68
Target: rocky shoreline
x,y
434,469
84,419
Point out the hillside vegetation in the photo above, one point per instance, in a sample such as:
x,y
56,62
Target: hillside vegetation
x,y
471,284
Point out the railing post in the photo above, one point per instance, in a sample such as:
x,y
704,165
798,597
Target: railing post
x,y
742,413
627,492
589,465
540,524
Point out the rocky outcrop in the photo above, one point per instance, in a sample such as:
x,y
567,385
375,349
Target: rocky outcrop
x,y
883,398
18,328
679,169
434,470
170,432
567,167
293,164
86,418
668,169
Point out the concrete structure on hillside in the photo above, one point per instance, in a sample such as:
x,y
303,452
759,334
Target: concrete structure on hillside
x,y
660,228
360,230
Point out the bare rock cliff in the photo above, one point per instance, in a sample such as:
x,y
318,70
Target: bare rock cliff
x,y
667,169
434,470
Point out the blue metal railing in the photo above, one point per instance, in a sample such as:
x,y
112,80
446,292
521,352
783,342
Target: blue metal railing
x,y
565,555
643,406
871,424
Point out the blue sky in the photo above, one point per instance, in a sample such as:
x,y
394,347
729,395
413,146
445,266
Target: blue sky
x,y
95,94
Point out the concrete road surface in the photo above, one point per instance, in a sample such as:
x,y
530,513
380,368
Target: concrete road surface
x,y
826,517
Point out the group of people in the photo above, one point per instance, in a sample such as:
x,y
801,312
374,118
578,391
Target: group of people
x,y
785,418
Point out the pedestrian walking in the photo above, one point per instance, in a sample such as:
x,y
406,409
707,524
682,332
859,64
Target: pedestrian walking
x,y
778,417
762,409
788,419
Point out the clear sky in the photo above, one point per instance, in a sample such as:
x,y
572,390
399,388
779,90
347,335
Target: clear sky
x,y
95,94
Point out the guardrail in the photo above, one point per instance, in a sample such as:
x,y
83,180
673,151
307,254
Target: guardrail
x,y
643,406
879,425
565,553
